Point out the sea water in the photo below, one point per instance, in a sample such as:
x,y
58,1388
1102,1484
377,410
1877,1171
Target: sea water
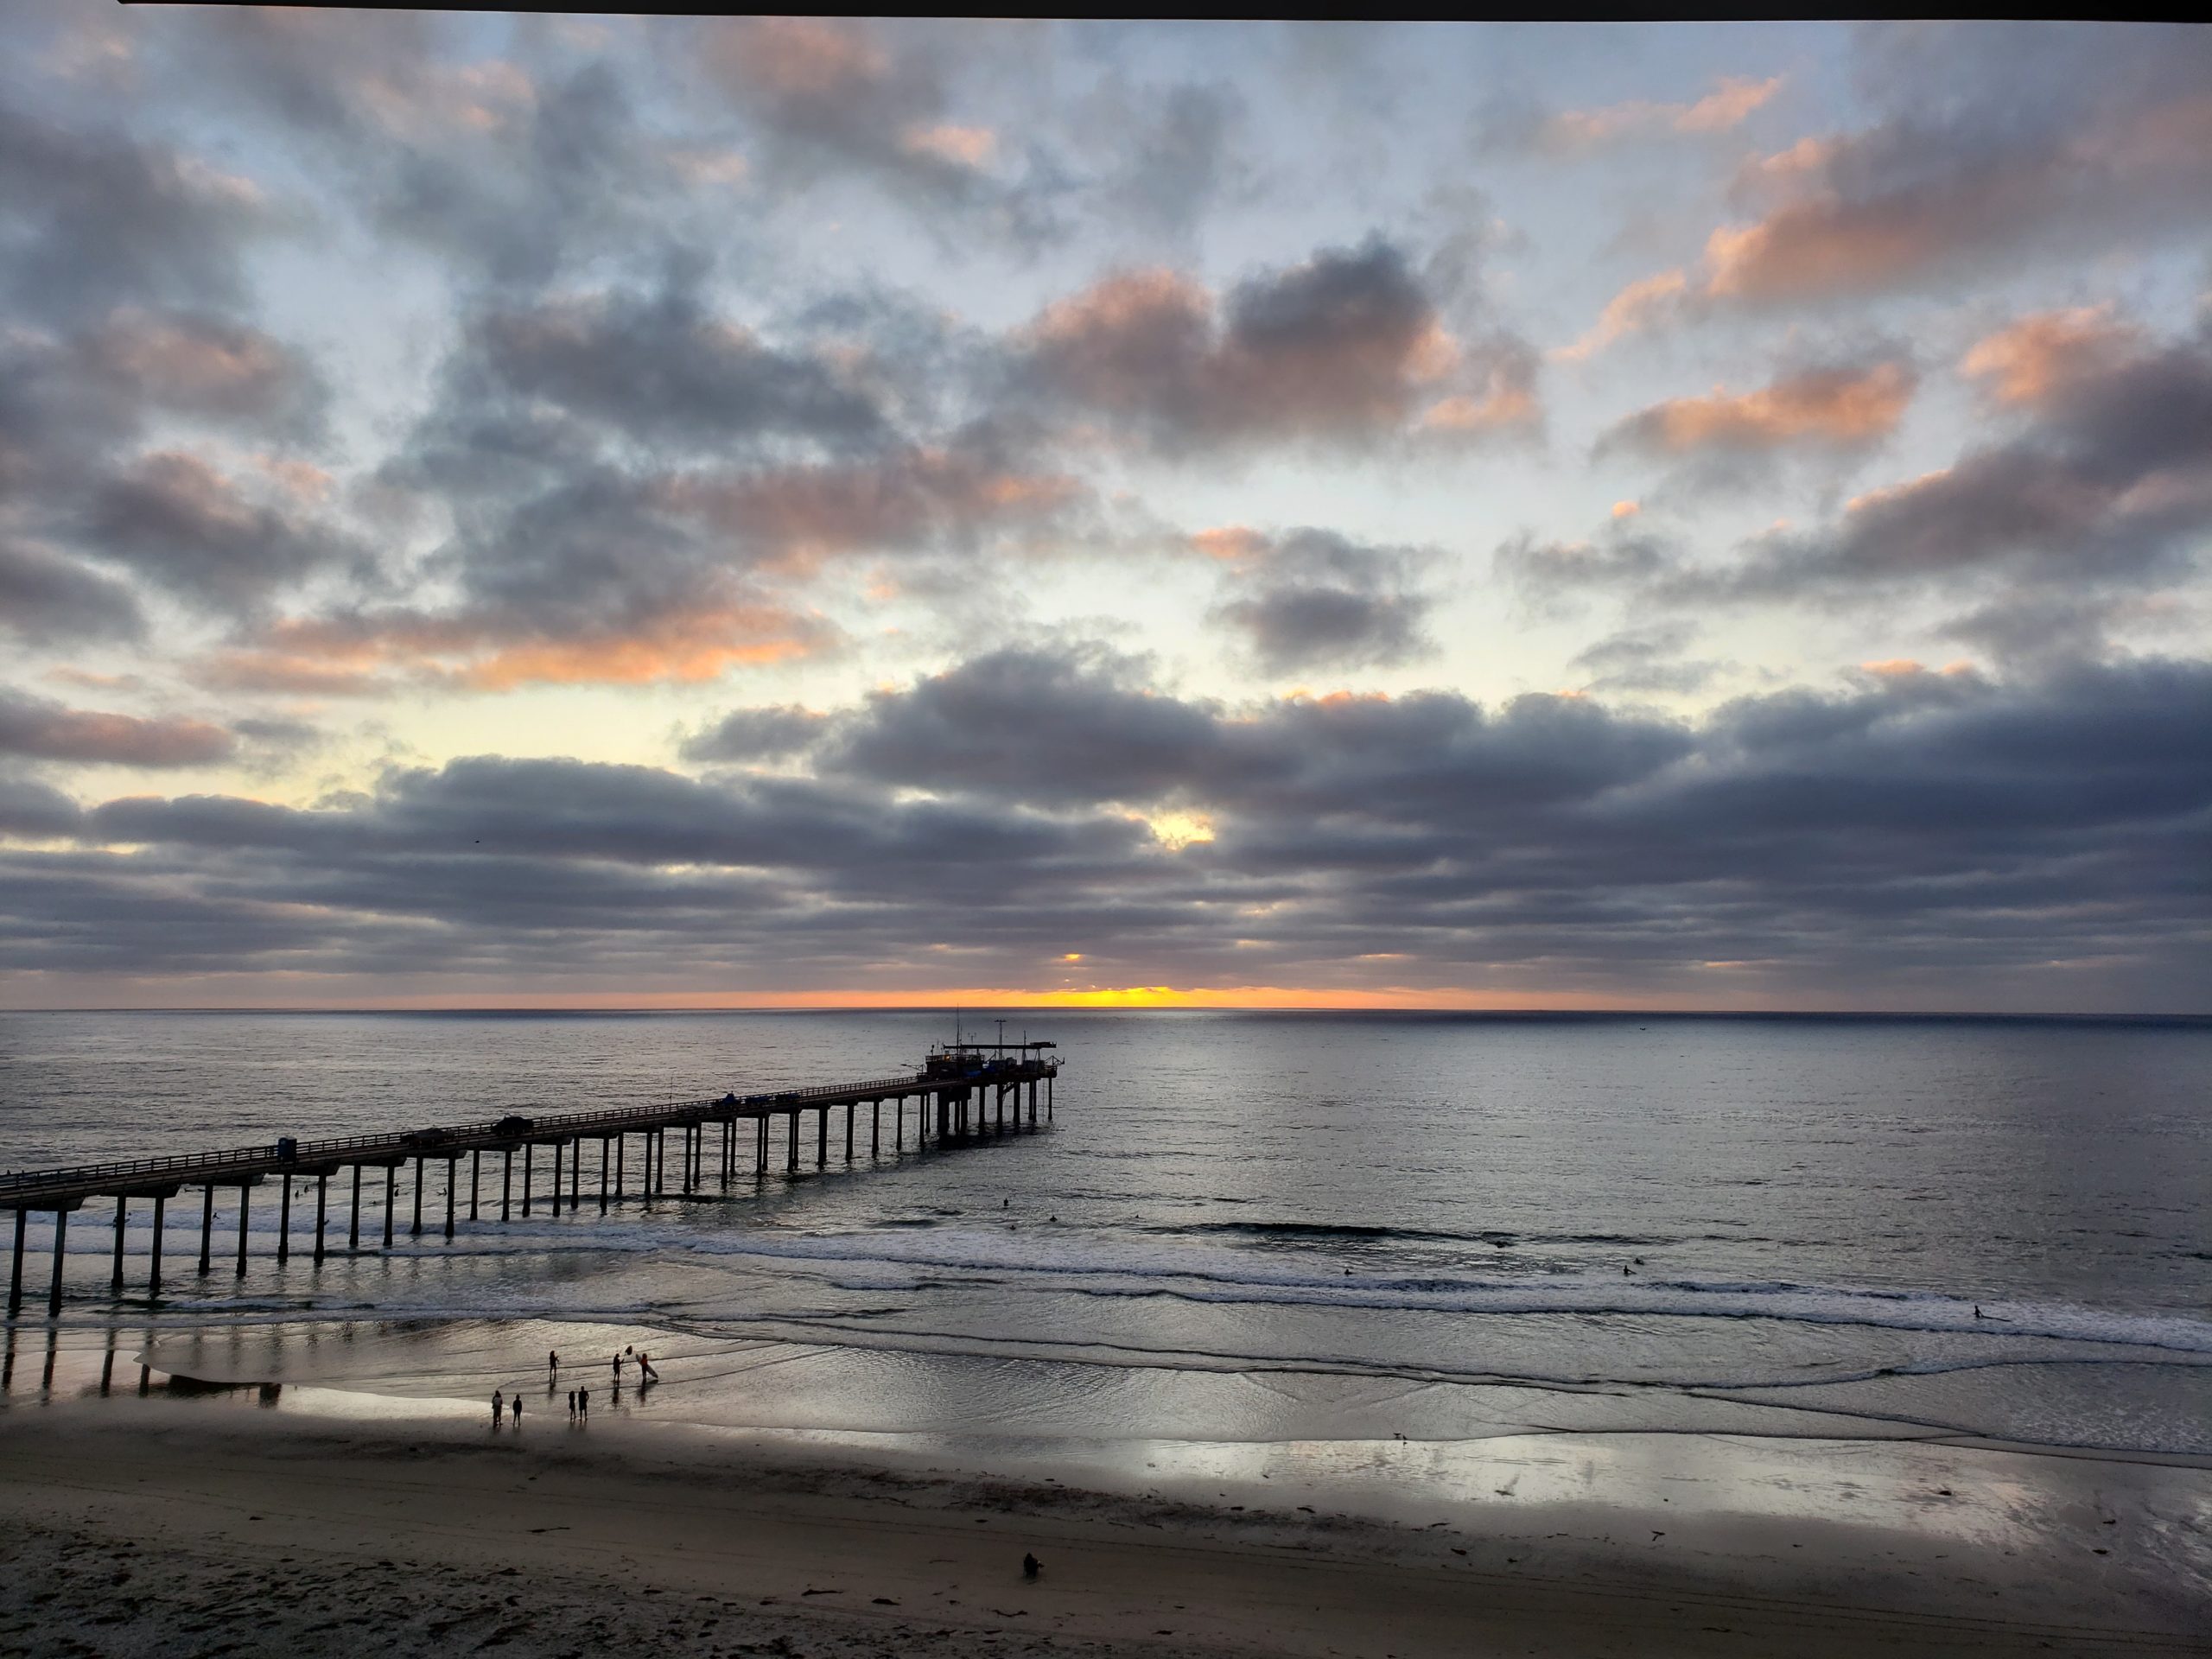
x,y
1235,1227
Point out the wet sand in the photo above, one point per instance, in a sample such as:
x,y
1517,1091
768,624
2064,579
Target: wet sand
x,y
162,1526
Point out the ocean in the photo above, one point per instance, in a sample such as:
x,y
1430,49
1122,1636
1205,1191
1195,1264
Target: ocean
x,y
1257,1227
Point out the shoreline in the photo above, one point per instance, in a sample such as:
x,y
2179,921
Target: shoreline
x,y
1630,1543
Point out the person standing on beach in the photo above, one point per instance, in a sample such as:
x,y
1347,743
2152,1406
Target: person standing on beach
x,y
516,1404
552,1364
583,1402
498,1406
572,1402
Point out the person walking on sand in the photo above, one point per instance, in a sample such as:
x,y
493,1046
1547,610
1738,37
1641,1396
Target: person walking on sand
x,y
646,1372
498,1406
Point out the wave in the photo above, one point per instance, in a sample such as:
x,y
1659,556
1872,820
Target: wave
x,y
939,1252
1105,1269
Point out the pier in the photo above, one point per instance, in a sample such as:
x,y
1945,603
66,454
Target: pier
x,y
961,1091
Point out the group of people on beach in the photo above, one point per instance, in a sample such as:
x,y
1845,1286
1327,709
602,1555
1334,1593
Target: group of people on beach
x,y
579,1399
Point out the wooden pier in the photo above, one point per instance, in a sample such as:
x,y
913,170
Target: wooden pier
x,y
961,1091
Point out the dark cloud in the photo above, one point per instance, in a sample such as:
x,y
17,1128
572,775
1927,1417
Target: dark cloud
x,y
569,173
35,729
1311,599
2106,486
660,368
746,735
2013,148
30,808
210,536
1348,347
1544,570
89,220
591,581
1905,831
513,170
1647,659
1060,726
47,599
1182,154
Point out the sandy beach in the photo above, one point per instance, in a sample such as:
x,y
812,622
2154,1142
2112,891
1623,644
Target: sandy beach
x,y
161,1525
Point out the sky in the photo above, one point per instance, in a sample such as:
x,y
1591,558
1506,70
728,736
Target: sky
x,y
603,511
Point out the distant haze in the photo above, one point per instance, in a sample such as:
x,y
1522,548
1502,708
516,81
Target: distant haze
x,y
616,511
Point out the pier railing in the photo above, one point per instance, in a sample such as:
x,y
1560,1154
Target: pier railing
x,y
435,1139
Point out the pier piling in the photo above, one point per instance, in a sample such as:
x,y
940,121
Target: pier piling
x,y
950,1085
60,1242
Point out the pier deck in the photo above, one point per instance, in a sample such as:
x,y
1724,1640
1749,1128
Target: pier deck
x,y
964,1092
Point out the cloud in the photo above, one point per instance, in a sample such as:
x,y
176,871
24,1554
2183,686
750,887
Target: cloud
x,y
911,502
210,536
1057,727
748,735
1642,305
1543,569
837,97
2032,143
511,170
28,807
2106,486
35,728
1311,599
47,599
2031,362
1911,832
1647,659
659,368
591,581
1841,406
1347,347
91,220
1732,101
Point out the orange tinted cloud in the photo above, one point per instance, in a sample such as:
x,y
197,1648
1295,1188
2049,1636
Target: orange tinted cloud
x,y
2035,358
967,147
1635,309
376,655
1726,106
800,515
1836,407
807,57
1346,345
